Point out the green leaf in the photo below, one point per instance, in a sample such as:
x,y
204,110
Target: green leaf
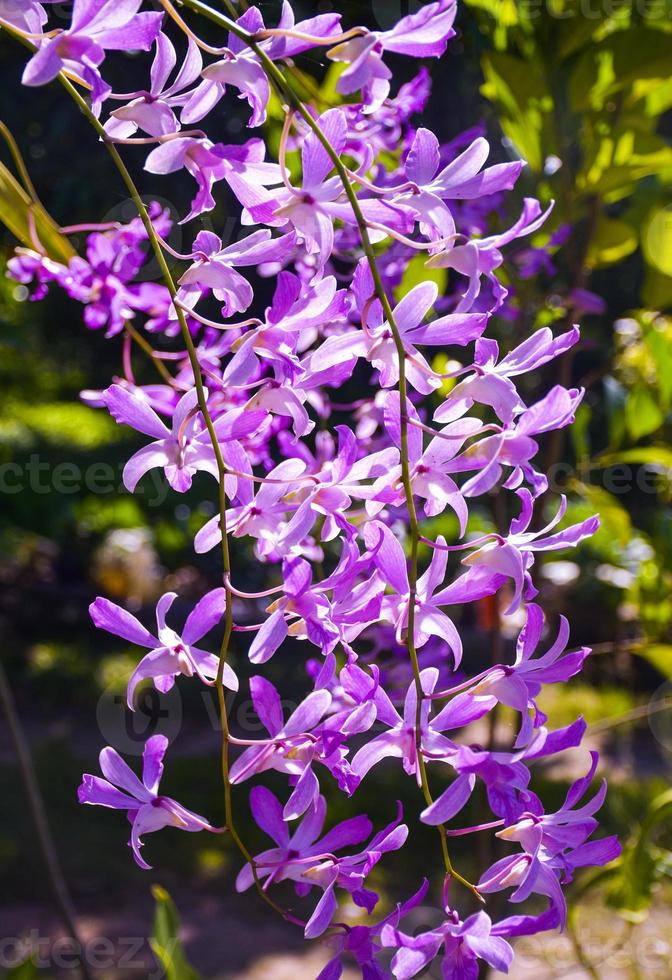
x,y
615,524
642,413
165,941
613,241
616,63
642,864
61,424
520,90
15,208
653,455
657,290
660,348
615,159
633,889
657,240
659,655
580,432
416,272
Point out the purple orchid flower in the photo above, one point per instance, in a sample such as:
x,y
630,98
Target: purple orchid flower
x,y
289,750
482,257
376,342
122,790
293,315
505,775
399,742
321,26
185,449
334,487
515,445
263,517
364,944
242,167
311,861
514,555
462,179
553,847
240,67
430,467
424,34
312,209
429,619
153,111
171,653
491,384
309,608
214,269
26,15
330,511
103,280
519,685
96,26
463,943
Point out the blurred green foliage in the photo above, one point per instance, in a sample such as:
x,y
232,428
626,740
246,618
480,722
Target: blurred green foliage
x,y
165,939
587,100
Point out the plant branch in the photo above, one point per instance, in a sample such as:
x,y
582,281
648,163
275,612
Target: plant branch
x,y
221,472
276,76
39,814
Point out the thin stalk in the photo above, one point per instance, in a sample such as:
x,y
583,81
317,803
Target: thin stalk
x,y
19,162
39,814
221,471
277,77
579,951
149,351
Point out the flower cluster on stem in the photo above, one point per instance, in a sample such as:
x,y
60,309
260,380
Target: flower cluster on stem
x,y
332,495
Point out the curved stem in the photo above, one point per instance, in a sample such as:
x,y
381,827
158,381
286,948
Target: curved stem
x,y
38,812
19,162
149,350
276,76
221,471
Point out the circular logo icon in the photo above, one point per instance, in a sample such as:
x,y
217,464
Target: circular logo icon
x,y
155,714
387,13
660,715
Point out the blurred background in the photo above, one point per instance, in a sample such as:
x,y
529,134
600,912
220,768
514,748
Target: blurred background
x,y
582,89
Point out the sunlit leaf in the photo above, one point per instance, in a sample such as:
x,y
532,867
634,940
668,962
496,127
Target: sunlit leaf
x,y
612,241
653,455
616,63
15,208
659,655
657,240
615,523
520,90
165,941
416,273
643,414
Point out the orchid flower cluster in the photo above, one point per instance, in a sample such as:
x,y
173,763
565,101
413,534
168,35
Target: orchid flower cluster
x,y
336,498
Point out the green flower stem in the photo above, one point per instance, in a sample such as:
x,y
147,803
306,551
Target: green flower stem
x,y
54,872
221,471
285,89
